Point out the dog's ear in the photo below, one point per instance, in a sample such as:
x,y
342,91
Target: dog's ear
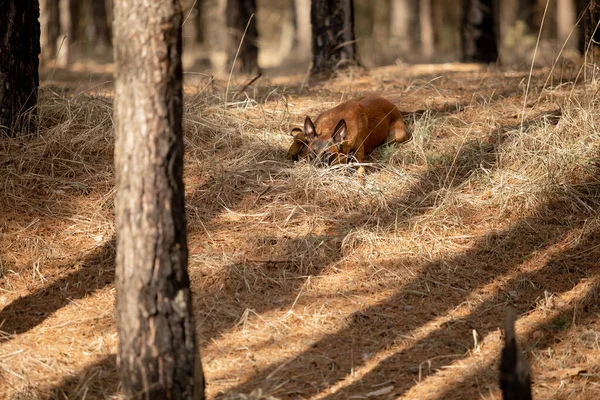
x,y
340,132
310,132
298,145
295,132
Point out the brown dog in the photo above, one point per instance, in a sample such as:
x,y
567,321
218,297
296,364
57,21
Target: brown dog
x,y
348,131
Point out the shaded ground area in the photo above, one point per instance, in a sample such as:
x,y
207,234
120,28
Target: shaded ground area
x,y
313,283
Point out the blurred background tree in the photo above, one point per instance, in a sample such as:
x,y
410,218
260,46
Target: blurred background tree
x,y
279,38
50,27
589,32
243,36
479,32
19,60
333,39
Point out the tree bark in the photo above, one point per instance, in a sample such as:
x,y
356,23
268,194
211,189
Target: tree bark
x,y
302,30
400,18
157,356
426,27
49,28
64,41
565,20
333,41
100,29
380,33
507,15
75,16
238,14
199,18
479,31
588,24
19,63
526,12
70,15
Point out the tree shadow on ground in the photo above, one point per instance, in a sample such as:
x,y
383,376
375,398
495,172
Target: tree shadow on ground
x,y
552,332
227,302
94,272
577,265
263,283
452,341
98,380
99,272
440,287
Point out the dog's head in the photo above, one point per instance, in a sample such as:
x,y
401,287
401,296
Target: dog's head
x,y
325,148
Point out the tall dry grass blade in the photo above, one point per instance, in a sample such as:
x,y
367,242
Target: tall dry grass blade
x,y
235,59
586,51
532,63
562,49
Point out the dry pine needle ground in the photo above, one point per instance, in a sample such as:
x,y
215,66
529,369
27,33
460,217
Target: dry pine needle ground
x,y
312,283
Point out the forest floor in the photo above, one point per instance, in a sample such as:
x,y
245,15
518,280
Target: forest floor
x,y
314,283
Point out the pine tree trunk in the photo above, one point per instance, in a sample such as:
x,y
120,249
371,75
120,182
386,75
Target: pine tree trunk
x,y
588,24
64,41
19,63
75,16
507,14
70,15
302,28
199,19
100,27
526,12
238,13
478,31
380,33
333,41
50,28
565,21
400,17
426,25
157,355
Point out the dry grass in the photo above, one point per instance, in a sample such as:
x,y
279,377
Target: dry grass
x,y
313,283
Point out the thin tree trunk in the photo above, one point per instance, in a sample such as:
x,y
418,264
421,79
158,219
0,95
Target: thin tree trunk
x,y
50,28
565,20
100,29
287,33
64,41
302,28
216,32
507,14
446,36
426,26
19,63
70,14
526,12
400,16
380,36
199,18
75,12
333,41
157,355
241,14
515,378
479,31
588,24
